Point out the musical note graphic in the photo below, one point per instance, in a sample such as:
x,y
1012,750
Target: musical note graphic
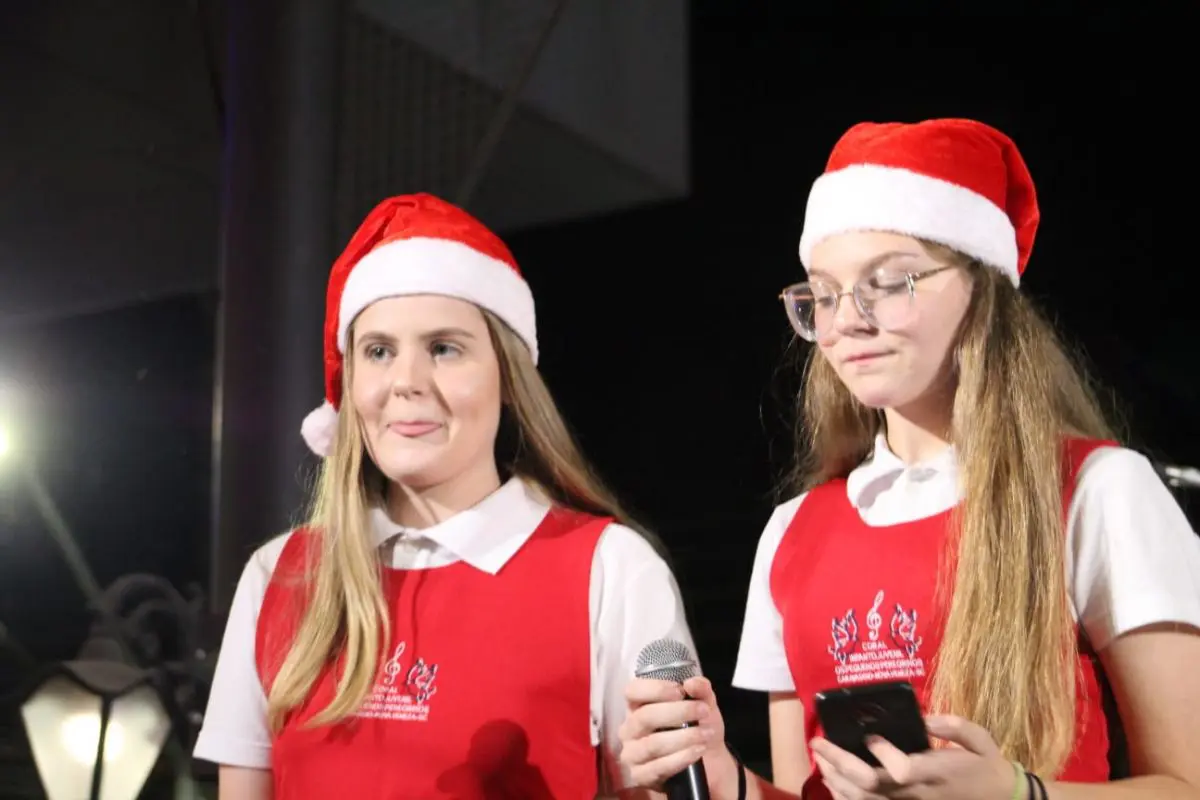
x,y
874,618
392,667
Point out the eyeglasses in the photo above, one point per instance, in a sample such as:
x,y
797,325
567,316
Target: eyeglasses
x,y
883,298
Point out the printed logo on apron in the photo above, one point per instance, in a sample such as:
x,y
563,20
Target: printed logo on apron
x,y
890,655
399,694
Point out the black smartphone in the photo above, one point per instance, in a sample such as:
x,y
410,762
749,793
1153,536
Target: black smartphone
x,y
888,710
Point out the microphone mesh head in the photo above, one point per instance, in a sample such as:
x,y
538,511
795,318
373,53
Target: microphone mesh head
x,y
666,660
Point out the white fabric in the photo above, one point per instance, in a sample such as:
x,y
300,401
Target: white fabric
x,y
439,266
878,198
319,429
634,600
1132,556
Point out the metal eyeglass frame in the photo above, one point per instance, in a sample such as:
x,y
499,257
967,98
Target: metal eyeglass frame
x,y
910,279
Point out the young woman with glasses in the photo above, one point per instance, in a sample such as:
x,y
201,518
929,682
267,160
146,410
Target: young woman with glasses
x,y
963,518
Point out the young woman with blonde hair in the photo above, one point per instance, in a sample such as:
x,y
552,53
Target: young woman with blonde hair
x,y
462,612
963,520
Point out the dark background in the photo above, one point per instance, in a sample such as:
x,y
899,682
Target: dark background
x,y
664,341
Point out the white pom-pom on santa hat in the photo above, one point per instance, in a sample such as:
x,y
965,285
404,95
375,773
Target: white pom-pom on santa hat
x,y
415,244
957,182
319,428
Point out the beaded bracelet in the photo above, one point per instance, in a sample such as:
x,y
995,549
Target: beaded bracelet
x,y
1018,773
1039,788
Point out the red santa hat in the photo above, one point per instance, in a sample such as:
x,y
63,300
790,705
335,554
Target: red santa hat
x,y
415,244
957,182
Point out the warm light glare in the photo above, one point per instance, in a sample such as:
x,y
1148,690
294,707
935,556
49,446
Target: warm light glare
x,y
1182,476
4,442
81,738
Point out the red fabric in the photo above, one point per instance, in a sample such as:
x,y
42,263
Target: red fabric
x,y
858,606
963,152
484,692
407,216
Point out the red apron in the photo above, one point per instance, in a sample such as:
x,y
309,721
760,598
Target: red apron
x,y
858,606
484,690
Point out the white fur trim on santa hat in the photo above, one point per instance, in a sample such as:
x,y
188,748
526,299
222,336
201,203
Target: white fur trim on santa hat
x,y
873,197
319,428
439,266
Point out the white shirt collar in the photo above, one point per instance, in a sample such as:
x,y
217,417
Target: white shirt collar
x,y
486,535
883,468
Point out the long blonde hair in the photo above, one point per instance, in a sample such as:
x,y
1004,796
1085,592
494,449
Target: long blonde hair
x,y
1007,660
345,613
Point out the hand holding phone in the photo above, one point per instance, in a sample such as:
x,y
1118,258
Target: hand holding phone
x,y
888,710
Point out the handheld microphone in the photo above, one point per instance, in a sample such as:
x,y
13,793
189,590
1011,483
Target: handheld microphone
x,y
668,660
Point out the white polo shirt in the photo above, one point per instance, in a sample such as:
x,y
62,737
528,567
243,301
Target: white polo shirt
x,y
634,600
1132,556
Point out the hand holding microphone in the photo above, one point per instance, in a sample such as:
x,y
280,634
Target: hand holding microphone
x,y
674,736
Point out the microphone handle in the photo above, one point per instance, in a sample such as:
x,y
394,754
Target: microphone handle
x,y
691,783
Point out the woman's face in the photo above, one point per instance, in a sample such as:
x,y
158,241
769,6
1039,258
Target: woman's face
x,y
426,385
905,363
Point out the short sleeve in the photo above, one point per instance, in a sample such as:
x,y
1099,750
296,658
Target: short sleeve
x,y
1134,559
634,601
234,732
762,661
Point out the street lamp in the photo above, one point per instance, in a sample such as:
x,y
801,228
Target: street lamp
x,y
96,726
